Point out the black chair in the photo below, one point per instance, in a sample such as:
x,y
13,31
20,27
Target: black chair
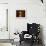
x,y
32,29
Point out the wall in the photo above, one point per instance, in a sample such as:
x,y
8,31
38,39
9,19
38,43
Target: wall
x,y
3,21
3,34
3,1
45,26
34,13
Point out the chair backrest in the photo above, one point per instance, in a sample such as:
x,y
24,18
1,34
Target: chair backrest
x,y
33,28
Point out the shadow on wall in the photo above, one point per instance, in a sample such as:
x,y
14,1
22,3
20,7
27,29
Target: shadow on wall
x,y
41,34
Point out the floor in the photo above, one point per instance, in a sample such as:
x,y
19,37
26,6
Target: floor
x,y
23,43
5,44
27,44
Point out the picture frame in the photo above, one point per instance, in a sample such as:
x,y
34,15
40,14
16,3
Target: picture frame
x,y
20,13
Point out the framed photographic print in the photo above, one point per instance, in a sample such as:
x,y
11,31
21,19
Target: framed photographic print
x,y
20,13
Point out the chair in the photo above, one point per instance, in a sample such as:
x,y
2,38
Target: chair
x,y
33,30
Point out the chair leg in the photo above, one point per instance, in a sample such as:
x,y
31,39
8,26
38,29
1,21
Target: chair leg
x,y
32,42
20,42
